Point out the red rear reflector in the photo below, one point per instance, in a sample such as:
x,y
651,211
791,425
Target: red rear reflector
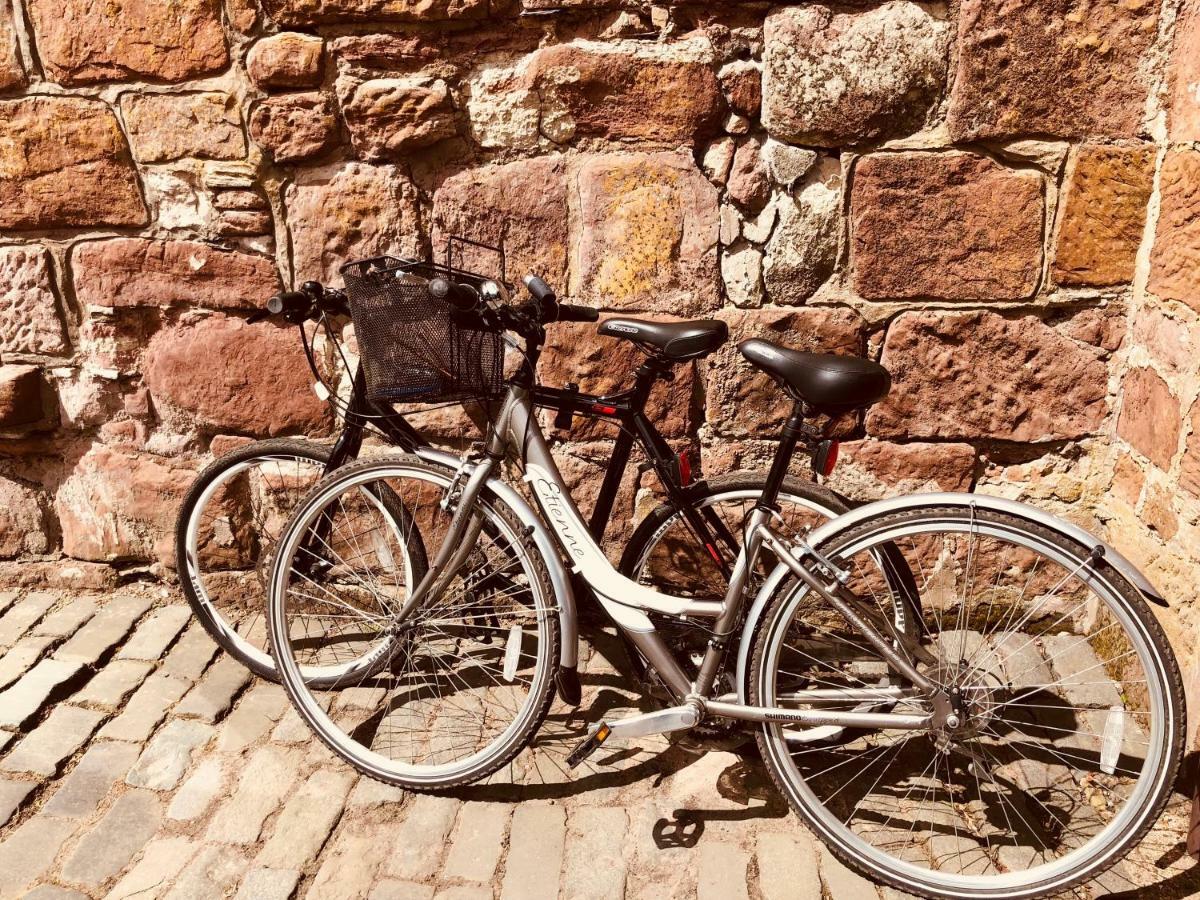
x,y
712,551
606,410
831,458
685,469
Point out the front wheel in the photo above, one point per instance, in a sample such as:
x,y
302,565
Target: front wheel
x,y
1070,703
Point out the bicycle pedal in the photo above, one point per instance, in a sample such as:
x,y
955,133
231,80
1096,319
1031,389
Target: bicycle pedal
x,y
589,745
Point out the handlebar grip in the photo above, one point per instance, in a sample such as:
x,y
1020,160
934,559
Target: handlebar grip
x,y
460,296
540,291
569,312
288,302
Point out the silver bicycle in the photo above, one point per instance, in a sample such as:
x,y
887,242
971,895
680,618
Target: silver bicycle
x,y
961,695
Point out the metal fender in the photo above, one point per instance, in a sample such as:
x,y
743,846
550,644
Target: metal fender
x,y
559,580
881,507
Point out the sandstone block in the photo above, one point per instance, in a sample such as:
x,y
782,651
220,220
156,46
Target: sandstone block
x,y
64,163
21,393
12,70
742,83
1035,67
1184,71
1149,417
25,521
836,78
522,205
1189,468
29,318
287,60
742,400
949,225
294,126
120,504
349,211
390,117
974,375
311,12
748,185
648,229
599,91
220,373
1175,259
82,41
1104,215
136,272
871,470
163,127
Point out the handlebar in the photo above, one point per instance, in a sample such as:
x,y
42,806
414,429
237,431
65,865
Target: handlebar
x,y
303,305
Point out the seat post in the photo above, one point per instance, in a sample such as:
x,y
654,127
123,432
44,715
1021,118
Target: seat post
x,y
793,430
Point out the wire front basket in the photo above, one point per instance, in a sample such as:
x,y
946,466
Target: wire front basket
x,y
414,347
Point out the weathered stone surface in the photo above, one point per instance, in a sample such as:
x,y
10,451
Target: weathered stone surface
x,y
349,211
287,60
871,470
420,839
975,375
1189,466
311,12
118,505
1104,215
63,163
503,110
12,70
834,78
211,698
787,867
146,708
29,850
949,225
18,620
81,41
163,127
742,83
1038,67
521,205
1149,417
294,126
624,93
160,862
390,117
128,272
154,635
21,396
22,700
266,780
196,794
29,318
108,628
25,523
63,732
109,688
802,251
1175,260
741,270
262,385
166,758
1184,109
535,851
478,842
12,795
307,819
742,400
647,236
109,845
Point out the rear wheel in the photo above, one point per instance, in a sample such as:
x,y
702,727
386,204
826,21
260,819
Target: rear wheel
x,y
1069,696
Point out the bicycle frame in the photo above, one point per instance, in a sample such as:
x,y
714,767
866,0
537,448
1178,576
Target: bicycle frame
x,y
627,602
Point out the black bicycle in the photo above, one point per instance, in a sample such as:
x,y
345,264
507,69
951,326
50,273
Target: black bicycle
x,y
234,512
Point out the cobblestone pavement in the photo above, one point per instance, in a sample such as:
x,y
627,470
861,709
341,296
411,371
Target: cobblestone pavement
x,y
135,761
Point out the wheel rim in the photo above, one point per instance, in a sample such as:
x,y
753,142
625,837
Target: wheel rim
x,y
800,779
346,742
254,653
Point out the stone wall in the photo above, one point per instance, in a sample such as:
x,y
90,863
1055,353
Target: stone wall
x,y
1000,201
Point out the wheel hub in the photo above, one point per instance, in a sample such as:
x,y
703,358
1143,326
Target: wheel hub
x,y
967,704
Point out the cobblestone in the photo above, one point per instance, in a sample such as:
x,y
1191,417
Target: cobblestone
x,y
265,782
197,793
535,852
21,701
419,842
146,708
787,867
212,872
190,655
722,873
153,636
101,766
161,861
255,714
104,631
17,661
595,866
168,755
478,842
21,617
63,732
211,698
65,620
29,850
307,819
12,795
269,884
112,684
111,843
